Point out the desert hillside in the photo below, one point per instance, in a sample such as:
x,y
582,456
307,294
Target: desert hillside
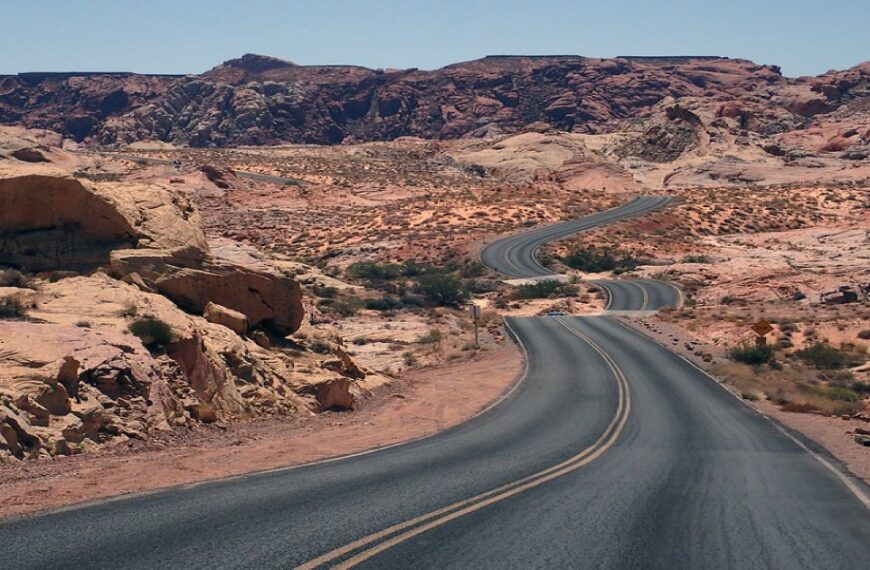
x,y
257,100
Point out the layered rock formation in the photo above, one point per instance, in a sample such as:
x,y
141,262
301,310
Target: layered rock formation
x,y
123,322
262,100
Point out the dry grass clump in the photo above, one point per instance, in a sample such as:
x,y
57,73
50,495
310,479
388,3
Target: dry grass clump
x,y
794,387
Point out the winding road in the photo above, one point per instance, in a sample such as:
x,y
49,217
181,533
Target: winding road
x,y
610,452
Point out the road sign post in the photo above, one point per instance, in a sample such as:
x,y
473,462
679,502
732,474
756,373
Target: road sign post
x,y
474,310
761,329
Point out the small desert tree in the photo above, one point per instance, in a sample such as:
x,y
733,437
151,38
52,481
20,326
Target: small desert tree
x,y
442,289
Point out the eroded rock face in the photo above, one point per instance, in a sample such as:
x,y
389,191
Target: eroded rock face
x,y
61,387
149,234
75,377
262,100
273,301
53,221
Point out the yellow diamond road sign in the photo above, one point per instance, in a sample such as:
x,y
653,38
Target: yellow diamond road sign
x,y
762,327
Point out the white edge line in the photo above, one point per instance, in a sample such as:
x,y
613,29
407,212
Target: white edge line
x,y
518,381
847,480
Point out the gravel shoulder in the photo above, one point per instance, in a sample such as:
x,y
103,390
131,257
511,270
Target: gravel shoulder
x,y
423,402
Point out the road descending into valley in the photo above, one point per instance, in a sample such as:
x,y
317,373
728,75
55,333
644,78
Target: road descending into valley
x,y
610,452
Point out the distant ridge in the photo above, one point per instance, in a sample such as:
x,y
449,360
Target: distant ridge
x,y
259,100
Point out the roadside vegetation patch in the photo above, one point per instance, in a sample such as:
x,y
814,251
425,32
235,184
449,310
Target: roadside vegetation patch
x,y
824,356
595,260
751,353
544,290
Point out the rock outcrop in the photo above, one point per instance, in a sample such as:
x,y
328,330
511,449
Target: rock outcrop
x,y
127,324
262,100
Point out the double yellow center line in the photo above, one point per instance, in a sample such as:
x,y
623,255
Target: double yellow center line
x,y
373,544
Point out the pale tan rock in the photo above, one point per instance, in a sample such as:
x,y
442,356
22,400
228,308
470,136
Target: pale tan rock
x,y
333,394
220,315
60,221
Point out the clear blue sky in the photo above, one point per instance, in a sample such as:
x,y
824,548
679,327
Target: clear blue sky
x,y
804,37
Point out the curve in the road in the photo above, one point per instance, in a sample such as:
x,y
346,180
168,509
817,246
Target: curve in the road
x,y
515,256
611,453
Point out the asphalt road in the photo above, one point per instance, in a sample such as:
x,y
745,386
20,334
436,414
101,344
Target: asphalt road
x,y
514,256
611,452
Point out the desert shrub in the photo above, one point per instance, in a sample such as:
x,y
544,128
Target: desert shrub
x,y
479,286
834,393
13,278
12,308
697,259
325,291
864,334
823,355
472,269
543,290
409,359
861,387
751,353
129,311
374,271
599,260
431,337
442,289
411,300
320,346
153,332
385,303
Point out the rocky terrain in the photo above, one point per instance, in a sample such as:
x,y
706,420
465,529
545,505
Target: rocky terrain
x,y
173,260
119,319
258,100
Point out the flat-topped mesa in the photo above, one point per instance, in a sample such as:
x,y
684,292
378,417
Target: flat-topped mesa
x,y
673,58
255,63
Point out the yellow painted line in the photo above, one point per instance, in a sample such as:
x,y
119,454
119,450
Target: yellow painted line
x,y
609,294
458,509
644,295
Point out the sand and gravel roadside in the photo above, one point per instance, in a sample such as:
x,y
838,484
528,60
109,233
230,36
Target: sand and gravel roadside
x,y
423,402
833,433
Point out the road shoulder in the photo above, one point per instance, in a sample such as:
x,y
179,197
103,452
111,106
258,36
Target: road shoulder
x,y
833,434
424,402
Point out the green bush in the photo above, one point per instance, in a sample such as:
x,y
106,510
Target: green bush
x,y
153,332
599,260
751,353
825,356
346,307
374,271
442,289
543,290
